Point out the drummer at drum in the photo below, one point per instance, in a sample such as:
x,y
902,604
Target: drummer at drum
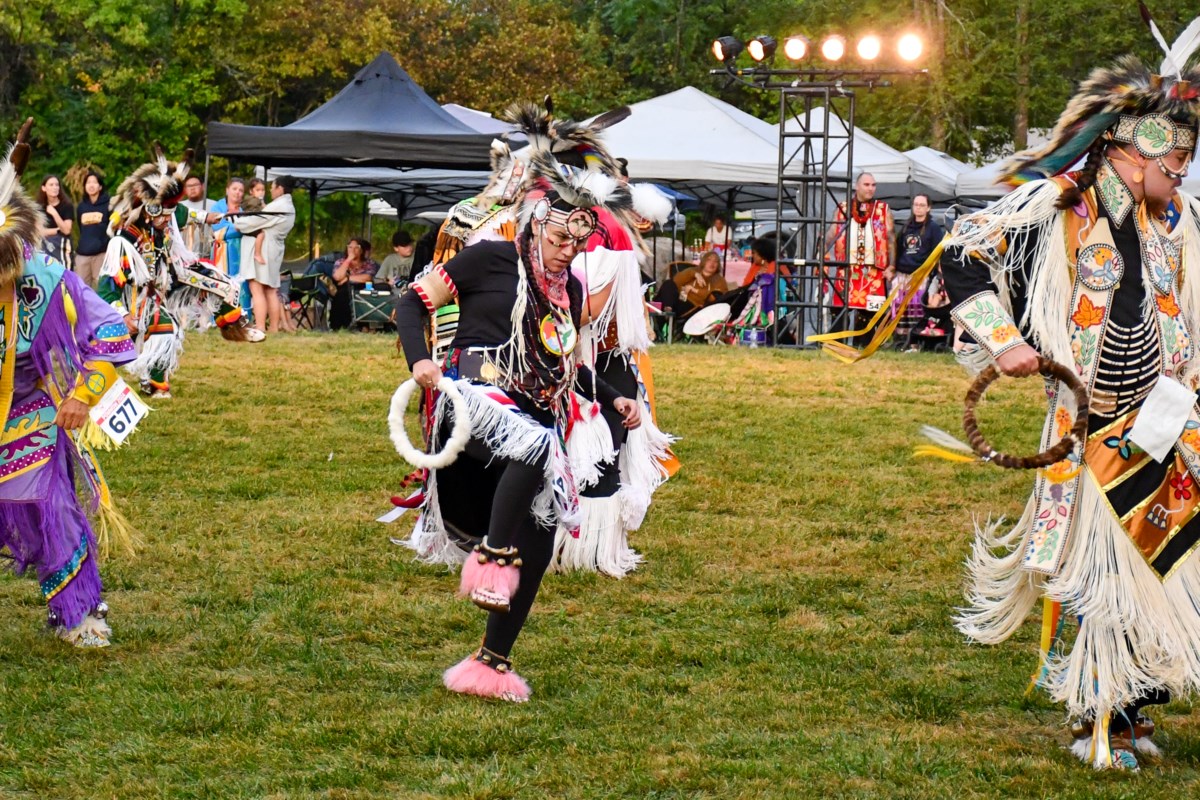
x,y
695,287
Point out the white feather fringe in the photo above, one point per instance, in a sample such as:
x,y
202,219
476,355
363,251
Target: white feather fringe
x,y
642,471
160,351
1136,632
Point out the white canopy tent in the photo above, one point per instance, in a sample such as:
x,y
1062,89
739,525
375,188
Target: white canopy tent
x,y
936,171
698,144
702,145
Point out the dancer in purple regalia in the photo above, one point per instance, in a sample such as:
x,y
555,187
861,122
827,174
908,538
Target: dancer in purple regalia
x,y
56,361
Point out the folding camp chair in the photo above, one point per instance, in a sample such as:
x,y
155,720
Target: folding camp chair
x,y
304,302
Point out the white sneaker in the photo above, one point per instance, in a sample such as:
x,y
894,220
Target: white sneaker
x,y
254,335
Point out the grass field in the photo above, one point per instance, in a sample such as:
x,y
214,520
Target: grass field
x,y
788,636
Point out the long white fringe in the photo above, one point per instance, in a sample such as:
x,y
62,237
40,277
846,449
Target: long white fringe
x,y
508,434
642,471
1136,633
590,445
160,351
602,545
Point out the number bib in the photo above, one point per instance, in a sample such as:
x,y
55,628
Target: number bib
x,y
118,411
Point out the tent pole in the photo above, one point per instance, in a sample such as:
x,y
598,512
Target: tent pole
x,y
206,163
312,217
363,226
728,228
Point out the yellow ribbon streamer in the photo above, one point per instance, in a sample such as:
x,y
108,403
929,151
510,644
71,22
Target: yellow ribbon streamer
x,y
847,354
1051,614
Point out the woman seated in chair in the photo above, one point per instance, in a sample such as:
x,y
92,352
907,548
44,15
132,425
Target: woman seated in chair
x,y
695,287
350,273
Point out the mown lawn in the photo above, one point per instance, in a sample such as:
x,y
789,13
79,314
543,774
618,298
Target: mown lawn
x,y
789,635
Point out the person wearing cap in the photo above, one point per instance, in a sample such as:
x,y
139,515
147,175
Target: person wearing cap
x,y
1099,269
513,361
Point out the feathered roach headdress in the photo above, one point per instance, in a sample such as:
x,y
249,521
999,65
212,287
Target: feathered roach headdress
x,y
20,218
156,188
574,143
1156,113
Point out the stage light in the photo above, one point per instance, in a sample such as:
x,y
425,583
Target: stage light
x,y
761,48
833,48
869,47
910,47
796,48
726,48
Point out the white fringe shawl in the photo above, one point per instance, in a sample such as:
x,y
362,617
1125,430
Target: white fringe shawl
x,y
619,269
642,471
589,445
119,247
1136,632
508,434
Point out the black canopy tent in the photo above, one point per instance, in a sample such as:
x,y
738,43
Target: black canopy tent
x,y
382,118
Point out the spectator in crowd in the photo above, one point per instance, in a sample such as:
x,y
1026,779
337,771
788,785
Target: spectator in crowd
x,y
349,272
92,217
276,222
717,237
255,201
762,260
224,230
934,328
59,219
195,217
397,268
913,245
862,238
694,287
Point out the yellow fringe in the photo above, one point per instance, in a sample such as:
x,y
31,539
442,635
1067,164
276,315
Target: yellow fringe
x,y
941,452
91,435
1051,612
848,354
114,530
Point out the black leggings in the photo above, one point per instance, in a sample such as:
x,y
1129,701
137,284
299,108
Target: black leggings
x,y
512,524
615,369
1128,716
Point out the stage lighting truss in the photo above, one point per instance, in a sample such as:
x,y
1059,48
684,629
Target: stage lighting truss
x,y
832,60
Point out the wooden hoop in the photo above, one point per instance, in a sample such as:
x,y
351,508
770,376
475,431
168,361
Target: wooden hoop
x,y
1077,434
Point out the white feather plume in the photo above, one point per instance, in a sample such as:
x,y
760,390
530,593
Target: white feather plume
x,y
1168,65
8,177
650,202
601,186
943,439
1184,48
